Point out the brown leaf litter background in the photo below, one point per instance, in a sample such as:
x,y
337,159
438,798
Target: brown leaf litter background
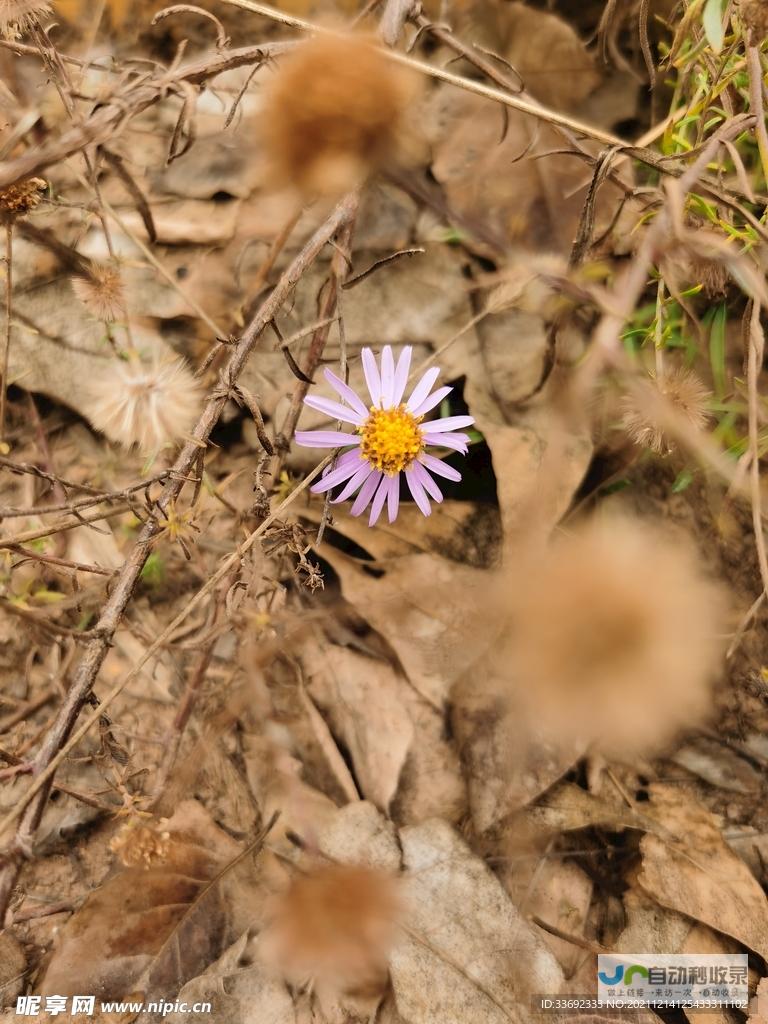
x,y
419,774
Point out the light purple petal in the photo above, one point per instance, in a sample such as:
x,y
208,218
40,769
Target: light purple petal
x,y
401,374
346,392
439,467
447,423
325,439
372,377
338,475
434,399
419,496
426,481
349,456
387,377
393,497
378,501
334,409
366,493
359,478
458,442
423,388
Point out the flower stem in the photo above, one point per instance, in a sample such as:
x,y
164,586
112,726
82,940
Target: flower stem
x,y
7,331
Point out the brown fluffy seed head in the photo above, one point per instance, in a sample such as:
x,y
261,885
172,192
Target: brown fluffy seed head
x,y
19,199
333,114
611,637
18,16
146,404
335,925
102,292
688,396
711,275
754,15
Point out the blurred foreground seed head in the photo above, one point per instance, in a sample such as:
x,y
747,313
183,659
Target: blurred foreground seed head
x,y
334,113
610,636
145,404
754,15
18,16
687,396
335,925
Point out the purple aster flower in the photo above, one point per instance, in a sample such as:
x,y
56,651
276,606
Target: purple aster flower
x,y
390,437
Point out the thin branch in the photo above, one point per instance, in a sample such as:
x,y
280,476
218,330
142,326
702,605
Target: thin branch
x,y
7,323
61,526
41,510
64,563
756,106
755,353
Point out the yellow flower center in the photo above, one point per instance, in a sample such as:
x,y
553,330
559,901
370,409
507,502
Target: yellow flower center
x,y
391,439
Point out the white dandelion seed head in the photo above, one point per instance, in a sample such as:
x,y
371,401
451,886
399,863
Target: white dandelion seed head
x,y
146,404
18,16
391,439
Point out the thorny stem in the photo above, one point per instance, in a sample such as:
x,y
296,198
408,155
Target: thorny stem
x,y
7,323
54,745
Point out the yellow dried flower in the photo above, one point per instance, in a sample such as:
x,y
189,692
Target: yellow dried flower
x,y
140,846
17,200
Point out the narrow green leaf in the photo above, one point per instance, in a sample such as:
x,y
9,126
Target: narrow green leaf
x,y
713,24
717,349
683,481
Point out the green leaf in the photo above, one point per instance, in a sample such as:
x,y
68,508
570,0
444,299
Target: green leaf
x,y
153,572
717,349
683,481
713,24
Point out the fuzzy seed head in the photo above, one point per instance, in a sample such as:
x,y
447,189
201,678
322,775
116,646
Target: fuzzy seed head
x,y
611,635
335,925
334,114
102,292
146,405
17,200
688,396
18,16
711,275
754,15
